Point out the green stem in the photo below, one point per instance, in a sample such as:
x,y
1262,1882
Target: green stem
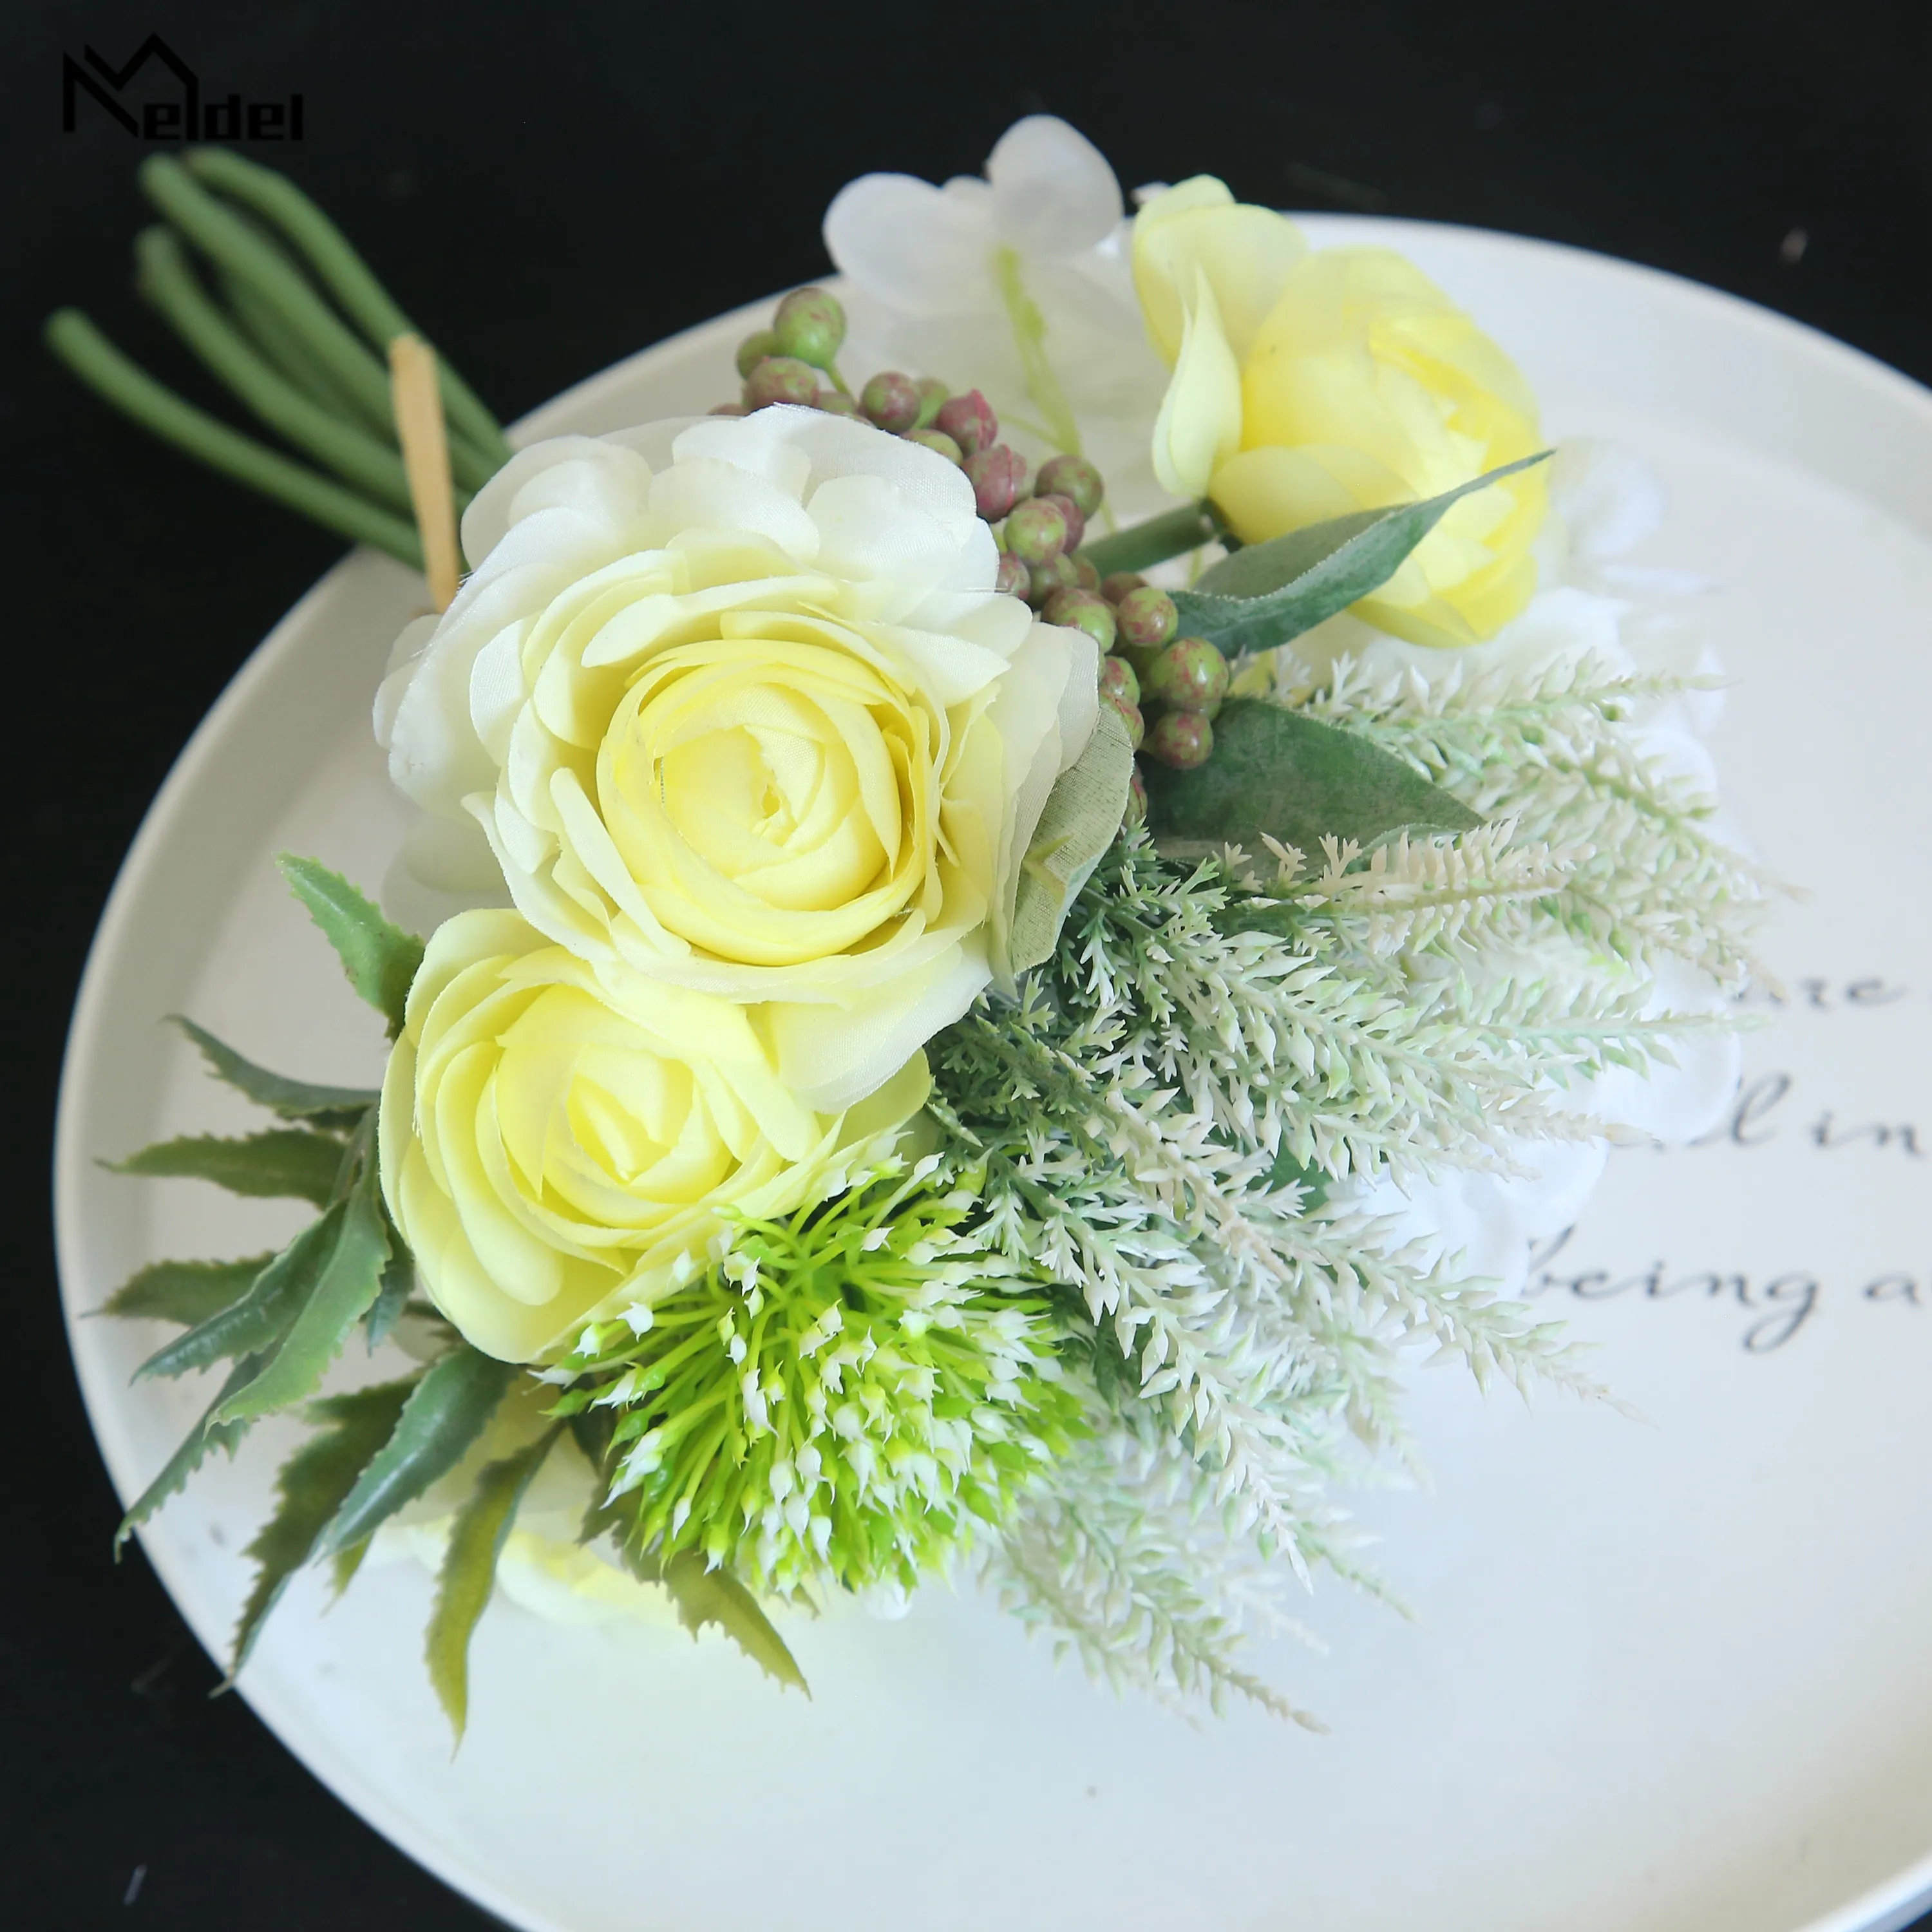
x,y
346,275
228,240
158,409
166,280
283,346
1173,533
1030,337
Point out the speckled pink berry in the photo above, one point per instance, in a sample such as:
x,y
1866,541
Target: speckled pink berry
x,y
1147,618
996,476
1075,478
1117,679
891,400
1121,584
1051,573
781,379
1082,610
938,441
1076,524
970,421
1183,740
1036,531
1130,716
1014,579
1190,675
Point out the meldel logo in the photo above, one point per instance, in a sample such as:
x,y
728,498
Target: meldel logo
x,y
168,105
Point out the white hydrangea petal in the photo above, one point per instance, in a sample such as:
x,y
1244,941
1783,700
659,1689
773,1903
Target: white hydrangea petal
x,y
915,247
1053,192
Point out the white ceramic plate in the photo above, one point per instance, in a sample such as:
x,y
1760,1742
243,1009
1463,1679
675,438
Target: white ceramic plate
x,y
1667,1675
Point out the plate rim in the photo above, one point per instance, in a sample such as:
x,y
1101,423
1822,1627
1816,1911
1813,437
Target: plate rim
x,y
1892,1903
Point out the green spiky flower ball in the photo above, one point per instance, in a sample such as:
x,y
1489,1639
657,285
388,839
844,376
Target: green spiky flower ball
x,y
837,1399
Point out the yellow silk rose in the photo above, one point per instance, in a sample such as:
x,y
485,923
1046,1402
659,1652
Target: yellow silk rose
x,y
559,1142
1308,385
736,704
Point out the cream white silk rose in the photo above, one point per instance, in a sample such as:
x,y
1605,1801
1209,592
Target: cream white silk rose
x,y
559,1142
736,705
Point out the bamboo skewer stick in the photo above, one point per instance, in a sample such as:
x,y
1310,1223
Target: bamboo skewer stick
x,y
419,427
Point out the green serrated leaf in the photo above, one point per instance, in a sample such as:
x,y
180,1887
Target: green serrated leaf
x,y
452,1404
291,1163
206,1434
1298,780
1082,816
292,1099
1268,593
469,1573
399,1281
186,1292
343,1565
257,1322
380,959
311,1485
347,1284
716,1597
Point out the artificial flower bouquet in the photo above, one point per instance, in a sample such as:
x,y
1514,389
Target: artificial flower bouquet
x,y
1004,946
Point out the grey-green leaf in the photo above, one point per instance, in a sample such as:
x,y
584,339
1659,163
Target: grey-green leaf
x,y
254,1324
206,1434
1268,593
186,1292
476,1540
380,959
347,1285
1295,778
292,1099
1082,816
291,1163
311,1485
716,1597
447,1411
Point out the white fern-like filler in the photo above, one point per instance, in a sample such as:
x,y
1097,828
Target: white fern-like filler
x,y
1160,1118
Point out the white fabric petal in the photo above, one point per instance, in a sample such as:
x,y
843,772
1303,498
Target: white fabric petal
x,y
1053,192
913,246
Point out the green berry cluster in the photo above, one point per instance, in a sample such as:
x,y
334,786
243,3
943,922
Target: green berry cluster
x,y
1038,523
1167,688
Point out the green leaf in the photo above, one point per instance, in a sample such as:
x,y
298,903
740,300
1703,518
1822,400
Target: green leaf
x,y
716,1597
186,1292
476,1540
1082,816
399,1281
380,959
256,1323
1297,779
312,1484
348,1284
1269,592
284,1162
206,1434
702,1596
293,1100
447,1411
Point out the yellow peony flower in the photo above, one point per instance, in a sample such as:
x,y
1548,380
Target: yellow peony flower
x,y
735,704
559,1143
1306,386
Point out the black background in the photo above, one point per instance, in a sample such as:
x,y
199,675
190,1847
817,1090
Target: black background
x,y
546,189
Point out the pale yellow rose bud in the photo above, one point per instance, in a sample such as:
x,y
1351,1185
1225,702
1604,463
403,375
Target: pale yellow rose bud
x,y
1307,386
559,1142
